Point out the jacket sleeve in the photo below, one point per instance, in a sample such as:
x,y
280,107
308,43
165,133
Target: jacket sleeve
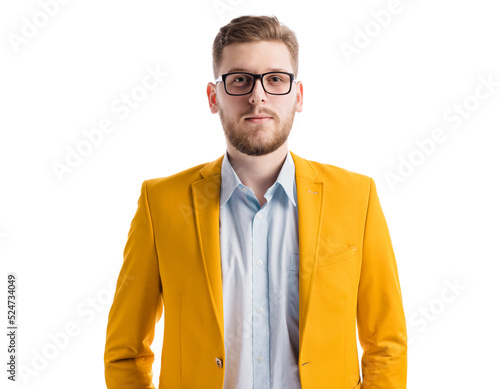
x,y
381,321
136,308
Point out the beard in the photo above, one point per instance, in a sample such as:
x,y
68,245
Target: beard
x,y
254,141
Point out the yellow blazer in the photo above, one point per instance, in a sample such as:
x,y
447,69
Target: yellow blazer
x,y
347,274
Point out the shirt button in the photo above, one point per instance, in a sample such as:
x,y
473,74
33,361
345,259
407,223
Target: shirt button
x,y
260,358
259,216
218,361
260,310
260,262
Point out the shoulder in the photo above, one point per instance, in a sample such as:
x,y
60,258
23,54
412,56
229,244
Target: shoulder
x,y
187,175
180,182
332,175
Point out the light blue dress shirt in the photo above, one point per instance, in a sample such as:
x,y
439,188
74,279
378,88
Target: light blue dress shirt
x,y
260,278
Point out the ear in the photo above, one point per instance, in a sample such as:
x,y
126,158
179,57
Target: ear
x,y
212,97
300,96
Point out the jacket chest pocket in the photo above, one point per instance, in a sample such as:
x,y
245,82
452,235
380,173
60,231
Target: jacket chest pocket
x,y
341,256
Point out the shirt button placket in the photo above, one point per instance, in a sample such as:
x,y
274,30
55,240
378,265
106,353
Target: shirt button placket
x,y
260,321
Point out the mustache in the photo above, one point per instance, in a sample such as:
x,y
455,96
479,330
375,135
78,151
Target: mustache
x,y
262,111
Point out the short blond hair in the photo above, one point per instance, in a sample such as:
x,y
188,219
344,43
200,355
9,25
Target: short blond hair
x,y
254,29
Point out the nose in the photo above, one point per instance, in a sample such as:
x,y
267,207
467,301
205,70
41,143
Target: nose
x,y
258,94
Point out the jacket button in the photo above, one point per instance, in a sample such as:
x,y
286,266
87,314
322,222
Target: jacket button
x,y
218,361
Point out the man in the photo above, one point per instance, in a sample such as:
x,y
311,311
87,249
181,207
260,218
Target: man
x,y
263,261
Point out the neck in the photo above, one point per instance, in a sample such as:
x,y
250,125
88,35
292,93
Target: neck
x,y
258,172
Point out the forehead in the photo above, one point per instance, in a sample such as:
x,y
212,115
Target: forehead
x,y
256,57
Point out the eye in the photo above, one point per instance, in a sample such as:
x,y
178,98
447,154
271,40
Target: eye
x,y
240,79
275,78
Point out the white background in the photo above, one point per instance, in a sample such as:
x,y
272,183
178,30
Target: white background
x,y
64,238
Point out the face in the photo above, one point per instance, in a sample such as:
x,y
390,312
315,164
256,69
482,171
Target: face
x,y
257,123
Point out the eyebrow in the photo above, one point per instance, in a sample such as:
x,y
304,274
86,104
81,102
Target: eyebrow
x,y
232,70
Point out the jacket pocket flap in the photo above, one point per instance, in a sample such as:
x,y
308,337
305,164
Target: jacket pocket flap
x,y
341,256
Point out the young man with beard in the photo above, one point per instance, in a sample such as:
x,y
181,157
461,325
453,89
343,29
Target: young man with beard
x,y
264,262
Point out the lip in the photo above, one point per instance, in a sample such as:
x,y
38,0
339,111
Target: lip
x,y
258,119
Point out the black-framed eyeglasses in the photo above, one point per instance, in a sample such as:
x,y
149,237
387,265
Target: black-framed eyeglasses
x,y
241,83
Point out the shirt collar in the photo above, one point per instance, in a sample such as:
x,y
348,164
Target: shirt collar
x,y
230,180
